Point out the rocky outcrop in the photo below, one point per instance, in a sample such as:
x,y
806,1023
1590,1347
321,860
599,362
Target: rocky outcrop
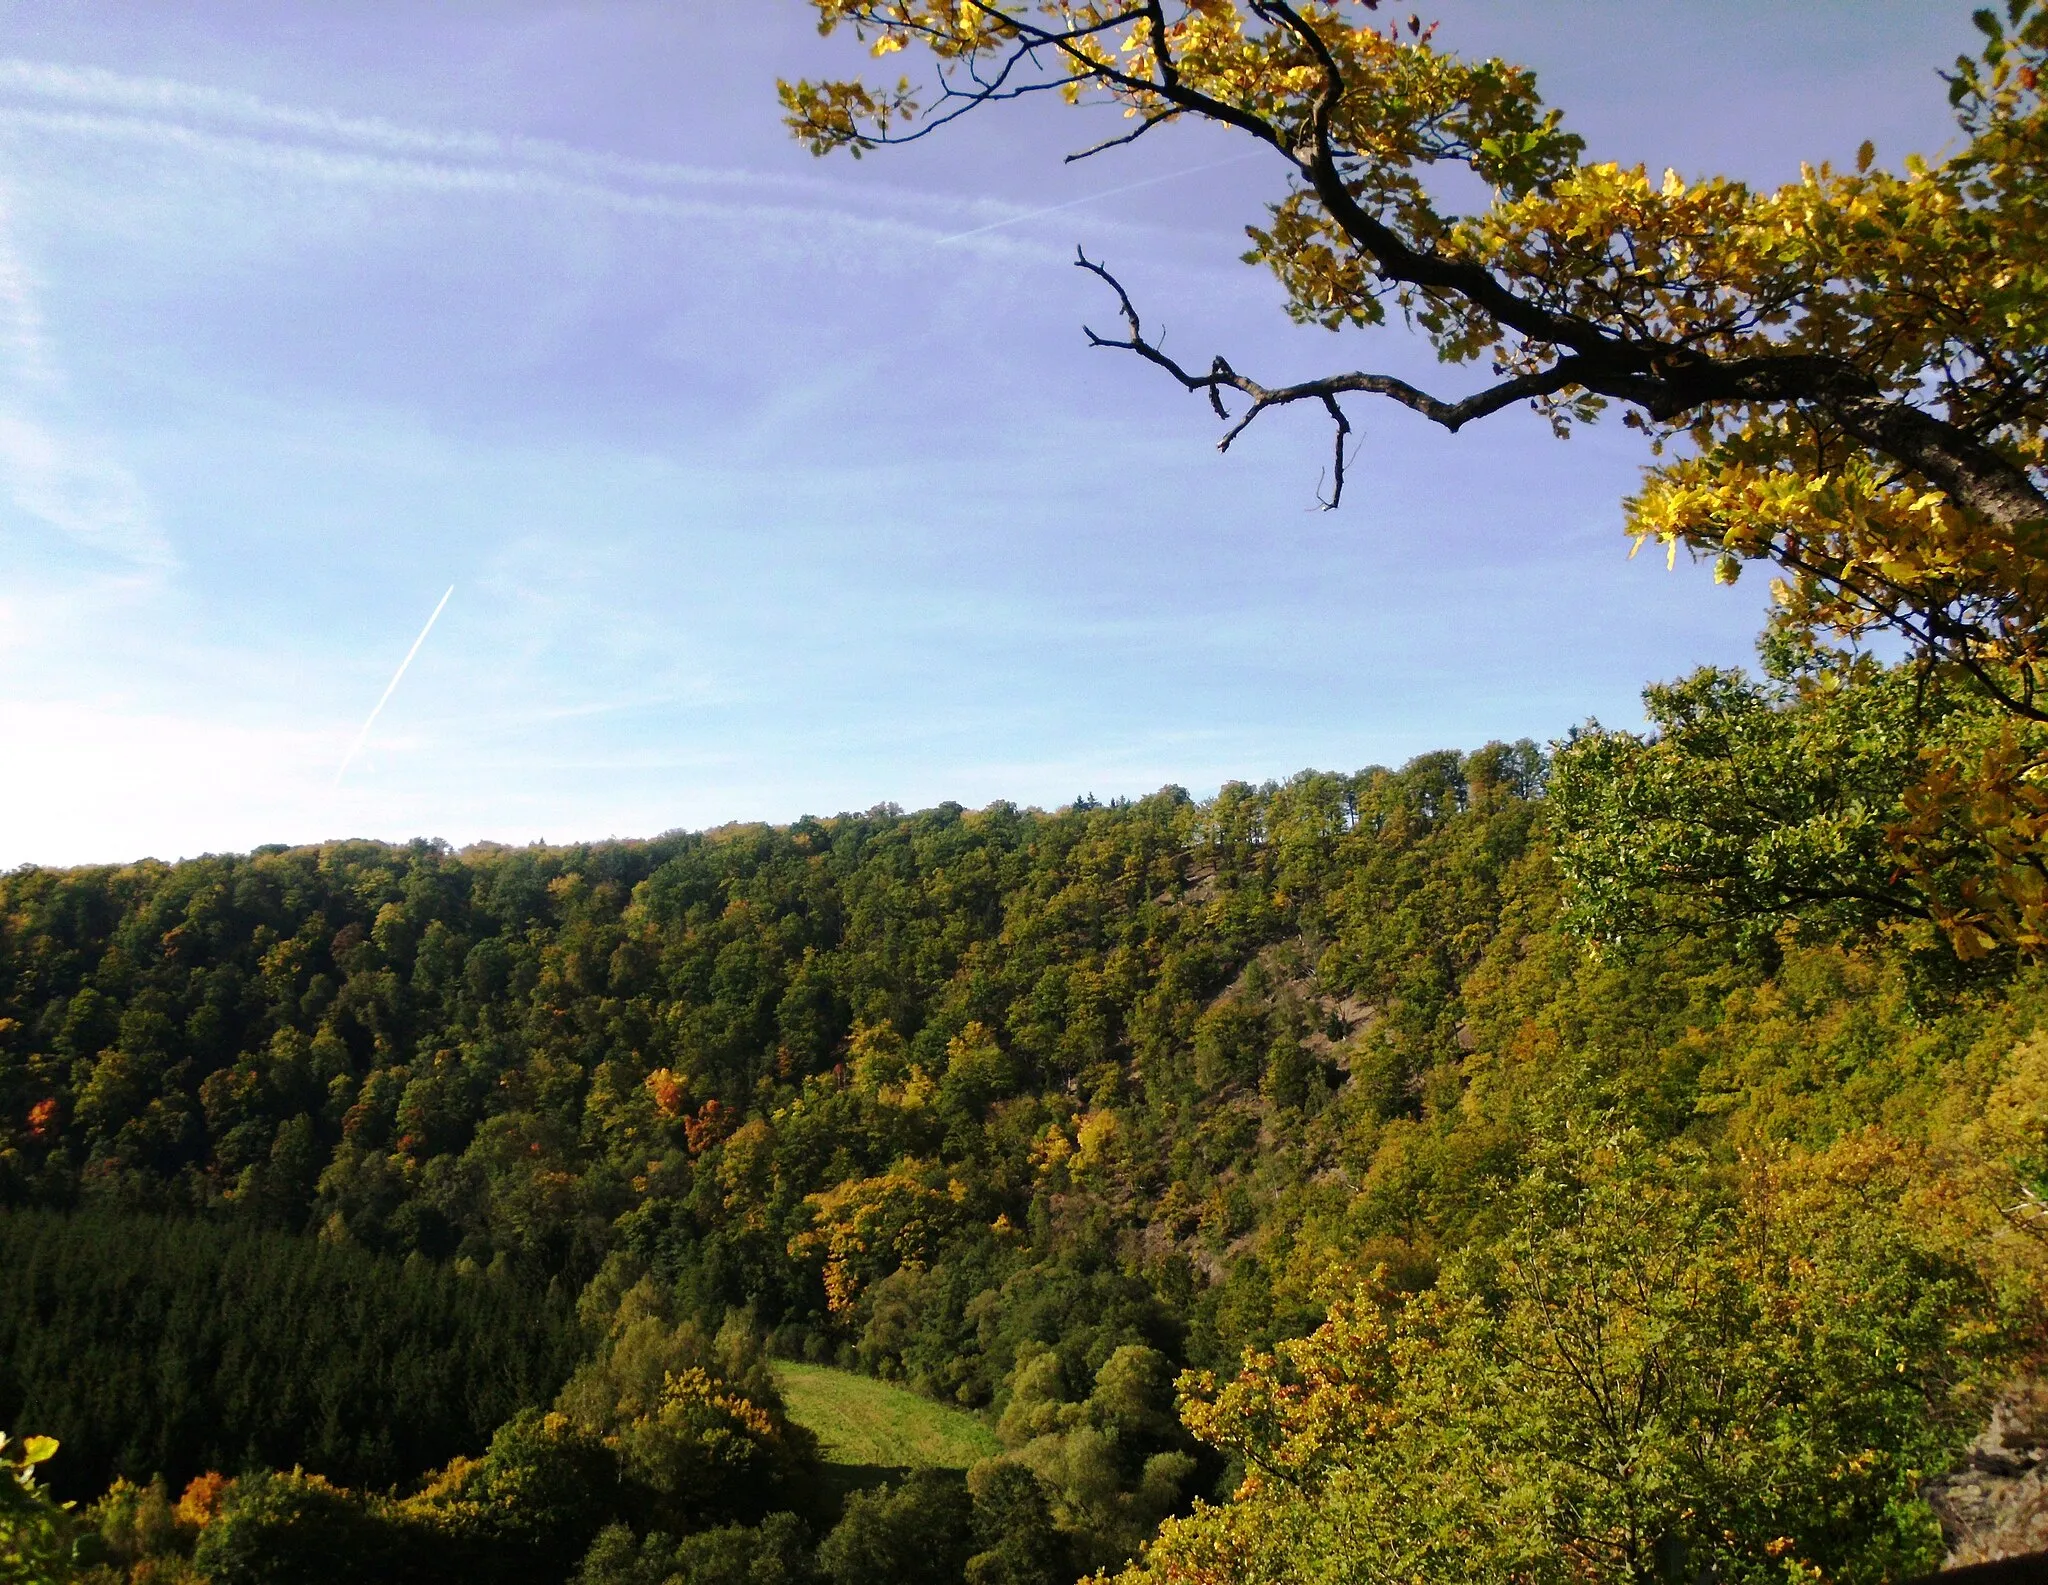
x,y
1994,1504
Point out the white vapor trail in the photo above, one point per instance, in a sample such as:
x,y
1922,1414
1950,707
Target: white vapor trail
x,y
1075,203
390,688
164,100
320,145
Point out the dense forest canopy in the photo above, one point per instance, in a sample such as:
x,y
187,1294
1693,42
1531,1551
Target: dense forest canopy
x,y
515,1059
177,1346
1027,1110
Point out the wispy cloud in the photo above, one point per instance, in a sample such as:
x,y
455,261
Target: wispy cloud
x,y
52,473
78,487
322,145
193,104
769,211
1090,198
24,345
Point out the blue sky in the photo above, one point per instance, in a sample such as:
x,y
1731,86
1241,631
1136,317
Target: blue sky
x,y
766,485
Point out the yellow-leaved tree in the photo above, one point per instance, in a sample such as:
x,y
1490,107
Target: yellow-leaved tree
x,y
38,1539
1664,1371
1842,377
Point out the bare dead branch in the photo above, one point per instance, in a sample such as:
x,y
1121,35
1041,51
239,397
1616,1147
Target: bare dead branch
x,y
1221,377
973,101
2030,1215
1126,139
1343,433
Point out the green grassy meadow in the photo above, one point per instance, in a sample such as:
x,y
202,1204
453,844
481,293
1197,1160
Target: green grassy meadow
x,y
875,1424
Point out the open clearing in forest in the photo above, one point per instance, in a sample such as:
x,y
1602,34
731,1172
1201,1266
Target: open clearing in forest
x,y
876,1424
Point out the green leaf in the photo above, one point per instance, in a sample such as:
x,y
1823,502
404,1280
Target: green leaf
x,y
38,1448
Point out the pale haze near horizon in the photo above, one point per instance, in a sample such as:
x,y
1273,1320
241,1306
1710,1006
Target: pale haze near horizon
x,y
767,485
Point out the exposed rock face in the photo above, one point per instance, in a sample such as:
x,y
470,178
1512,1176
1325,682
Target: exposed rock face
x,y
1995,1503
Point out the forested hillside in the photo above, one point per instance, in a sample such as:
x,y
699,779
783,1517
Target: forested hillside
x,y
1625,1164
1028,1110
784,1067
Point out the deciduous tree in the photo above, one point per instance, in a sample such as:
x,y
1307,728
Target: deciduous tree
x,y
1659,1374
1844,377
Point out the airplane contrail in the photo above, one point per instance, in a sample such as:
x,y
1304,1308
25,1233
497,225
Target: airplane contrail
x,y
1075,203
363,736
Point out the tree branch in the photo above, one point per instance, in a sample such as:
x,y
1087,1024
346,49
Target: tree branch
x,y
1666,377
1221,377
1122,140
1973,474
